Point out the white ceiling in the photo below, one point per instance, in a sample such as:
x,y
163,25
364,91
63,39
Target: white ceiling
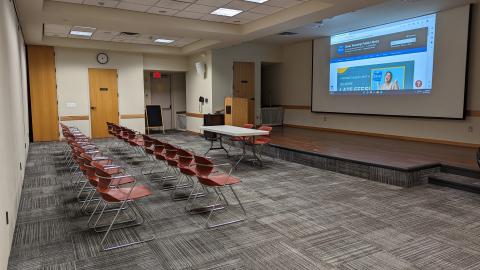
x,y
47,22
391,11
63,31
197,9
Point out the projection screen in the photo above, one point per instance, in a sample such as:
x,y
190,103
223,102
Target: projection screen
x,y
414,67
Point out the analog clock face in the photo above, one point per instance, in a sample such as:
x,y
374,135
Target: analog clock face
x,y
102,58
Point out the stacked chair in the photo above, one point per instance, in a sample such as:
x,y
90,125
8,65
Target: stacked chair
x,y
106,183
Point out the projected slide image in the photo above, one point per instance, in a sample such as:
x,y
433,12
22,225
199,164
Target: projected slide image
x,y
391,78
392,59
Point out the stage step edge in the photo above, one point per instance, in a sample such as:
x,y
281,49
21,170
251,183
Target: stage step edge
x,y
455,181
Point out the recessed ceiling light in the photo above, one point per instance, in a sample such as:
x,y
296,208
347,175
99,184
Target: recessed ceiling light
x,y
226,12
257,1
163,40
81,33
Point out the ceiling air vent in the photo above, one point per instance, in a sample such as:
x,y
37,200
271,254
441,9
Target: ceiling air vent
x,y
130,34
287,34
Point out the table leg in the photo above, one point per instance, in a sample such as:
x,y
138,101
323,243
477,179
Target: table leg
x,y
244,154
255,155
217,148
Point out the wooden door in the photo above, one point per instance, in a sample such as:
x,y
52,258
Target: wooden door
x,y
103,100
43,93
244,85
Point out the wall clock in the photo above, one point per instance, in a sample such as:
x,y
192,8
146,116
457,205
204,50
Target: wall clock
x,y
102,58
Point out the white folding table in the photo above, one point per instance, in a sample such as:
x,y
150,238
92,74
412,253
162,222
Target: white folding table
x,y
233,131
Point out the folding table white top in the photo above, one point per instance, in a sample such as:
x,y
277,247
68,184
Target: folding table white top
x,y
234,131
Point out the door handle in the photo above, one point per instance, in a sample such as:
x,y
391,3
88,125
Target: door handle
x,y
252,99
93,108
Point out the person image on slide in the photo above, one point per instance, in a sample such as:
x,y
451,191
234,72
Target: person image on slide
x,y
388,85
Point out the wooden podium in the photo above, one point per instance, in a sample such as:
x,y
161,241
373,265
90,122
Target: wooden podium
x,y
236,111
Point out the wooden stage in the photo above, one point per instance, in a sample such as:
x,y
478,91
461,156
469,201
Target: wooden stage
x,y
400,155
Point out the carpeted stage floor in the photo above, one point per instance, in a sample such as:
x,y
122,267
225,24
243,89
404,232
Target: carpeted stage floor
x,y
298,218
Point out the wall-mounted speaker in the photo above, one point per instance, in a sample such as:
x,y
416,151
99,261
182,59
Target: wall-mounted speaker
x,y
201,67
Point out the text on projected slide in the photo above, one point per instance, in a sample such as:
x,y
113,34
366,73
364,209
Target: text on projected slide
x,y
391,59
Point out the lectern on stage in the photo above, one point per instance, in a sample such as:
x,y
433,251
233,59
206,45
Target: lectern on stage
x,y
236,111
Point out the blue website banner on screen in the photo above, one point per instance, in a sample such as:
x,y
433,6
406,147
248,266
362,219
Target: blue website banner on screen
x,y
390,59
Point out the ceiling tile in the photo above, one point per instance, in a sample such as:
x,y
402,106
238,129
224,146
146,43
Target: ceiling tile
x,y
240,5
213,3
199,9
57,29
142,2
134,7
55,34
102,3
105,33
214,18
190,15
264,9
102,38
70,1
172,4
249,16
162,11
283,3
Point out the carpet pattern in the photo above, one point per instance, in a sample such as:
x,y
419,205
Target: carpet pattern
x,y
299,217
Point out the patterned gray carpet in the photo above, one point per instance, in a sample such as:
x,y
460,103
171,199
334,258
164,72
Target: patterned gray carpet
x,y
298,218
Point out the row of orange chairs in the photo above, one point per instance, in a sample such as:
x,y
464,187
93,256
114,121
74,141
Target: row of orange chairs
x,y
115,191
180,169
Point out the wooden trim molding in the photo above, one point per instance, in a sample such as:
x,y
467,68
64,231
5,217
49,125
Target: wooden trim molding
x,y
196,115
296,107
74,117
387,136
473,113
470,113
132,116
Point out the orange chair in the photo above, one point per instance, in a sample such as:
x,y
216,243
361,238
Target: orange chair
x,y
187,169
120,196
208,177
260,142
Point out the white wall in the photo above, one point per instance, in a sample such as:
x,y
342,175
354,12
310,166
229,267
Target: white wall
x,y
14,123
197,86
296,87
165,62
223,70
72,84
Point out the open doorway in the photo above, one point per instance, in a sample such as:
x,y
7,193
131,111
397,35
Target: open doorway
x,y
167,89
272,114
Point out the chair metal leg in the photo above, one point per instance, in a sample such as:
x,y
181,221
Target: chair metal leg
x,y
209,226
111,247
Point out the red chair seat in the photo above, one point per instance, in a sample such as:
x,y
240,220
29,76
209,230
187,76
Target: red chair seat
x,y
120,194
238,139
115,182
260,141
172,161
188,170
160,156
136,142
219,180
122,180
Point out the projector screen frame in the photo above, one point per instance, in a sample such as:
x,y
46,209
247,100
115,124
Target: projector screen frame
x,y
465,90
